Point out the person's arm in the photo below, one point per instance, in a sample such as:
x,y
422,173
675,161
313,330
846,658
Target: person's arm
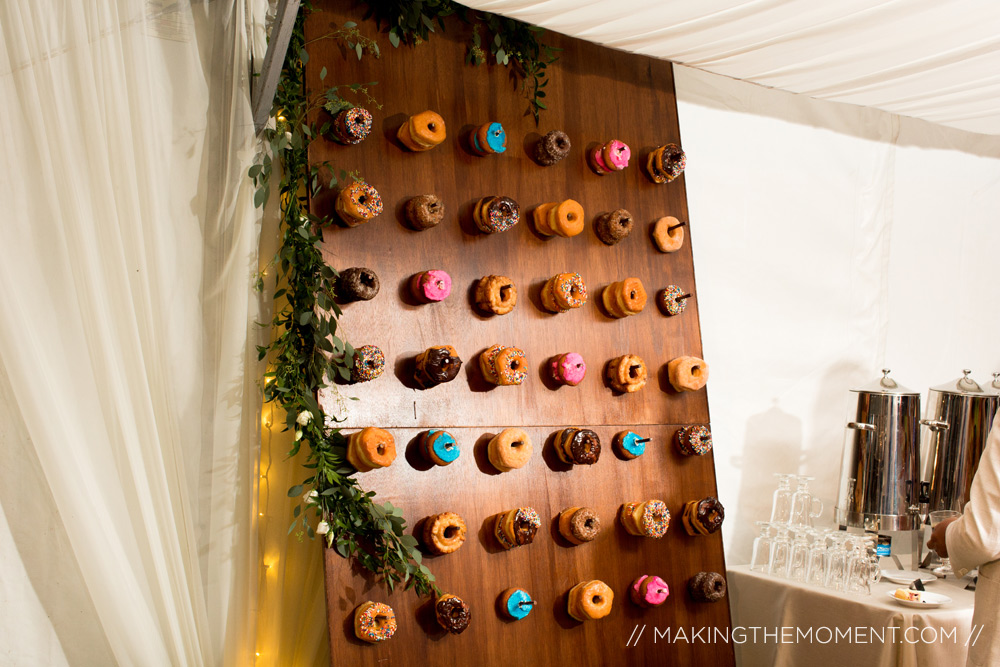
x,y
974,538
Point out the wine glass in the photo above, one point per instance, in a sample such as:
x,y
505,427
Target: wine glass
x,y
781,508
937,517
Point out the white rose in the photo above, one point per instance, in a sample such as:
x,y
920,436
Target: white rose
x,y
304,418
312,498
298,436
323,528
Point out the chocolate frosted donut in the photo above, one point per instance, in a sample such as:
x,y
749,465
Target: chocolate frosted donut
x,y
613,227
707,587
453,614
703,517
424,212
436,365
553,147
584,447
357,284
584,524
525,526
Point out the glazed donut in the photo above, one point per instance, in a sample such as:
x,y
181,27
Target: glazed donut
x,y
613,227
666,163
453,613
565,218
668,234
589,600
444,533
509,449
496,294
703,517
371,448
579,524
694,440
673,300
568,368
629,444
496,214
687,373
563,292
551,148
357,284
612,156
504,365
424,212
516,527
624,298
707,587
369,362
438,447
358,203
351,126
648,519
488,139
374,622
649,591
578,446
627,373
436,365
431,286
423,131
515,603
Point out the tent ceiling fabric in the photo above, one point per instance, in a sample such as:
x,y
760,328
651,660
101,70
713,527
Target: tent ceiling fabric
x,y
938,61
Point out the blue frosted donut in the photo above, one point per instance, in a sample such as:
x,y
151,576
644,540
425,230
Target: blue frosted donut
x,y
496,138
630,444
517,603
439,446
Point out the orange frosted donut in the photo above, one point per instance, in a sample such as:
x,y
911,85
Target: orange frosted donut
x,y
645,519
444,533
687,373
374,622
540,216
590,600
624,298
371,448
627,373
511,366
564,218
487,363
358,203
510,449
564,291
423,131
668,234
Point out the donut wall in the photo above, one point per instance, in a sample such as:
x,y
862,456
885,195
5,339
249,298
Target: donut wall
x,y
594,95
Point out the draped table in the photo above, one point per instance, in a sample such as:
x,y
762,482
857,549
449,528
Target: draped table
x,y
780,622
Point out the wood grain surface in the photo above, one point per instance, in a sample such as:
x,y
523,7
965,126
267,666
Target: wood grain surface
x,y
594,95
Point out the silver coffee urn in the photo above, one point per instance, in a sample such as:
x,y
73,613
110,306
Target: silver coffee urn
x,y
959,416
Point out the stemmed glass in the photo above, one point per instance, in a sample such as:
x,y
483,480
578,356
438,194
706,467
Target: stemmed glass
x,y
805,506
762,547
781,509
937,517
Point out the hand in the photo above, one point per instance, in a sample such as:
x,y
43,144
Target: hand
x,y
937,542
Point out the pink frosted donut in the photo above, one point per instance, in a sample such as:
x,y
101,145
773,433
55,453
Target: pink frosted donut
x,y
616,154
568,368
434,285
599,160
649,591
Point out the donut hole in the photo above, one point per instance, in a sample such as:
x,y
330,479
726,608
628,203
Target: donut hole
x,y
362,200
717,586
367,279
631,294
516,365
440,284
589,524
561,144
505,292
450,532
456,613
696,371
621,149
380,448
369,364
381,621
497,133
597,600
574,292
432,127
578,366
571,216
433,207
633,371
517,444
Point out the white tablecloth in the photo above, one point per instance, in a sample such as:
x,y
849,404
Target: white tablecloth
x,y
779,622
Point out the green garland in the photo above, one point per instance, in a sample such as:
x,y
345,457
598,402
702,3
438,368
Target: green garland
x,y
306,350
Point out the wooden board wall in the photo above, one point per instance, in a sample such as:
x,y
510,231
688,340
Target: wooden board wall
x,y
594,95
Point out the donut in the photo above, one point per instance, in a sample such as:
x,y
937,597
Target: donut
x,y
453,613
673,300
565,218
613,227
515,603
687,373
568,368
424,212
707,587
357,284
358,203
648,519
351,126
438,447
488,139
703,517
649,591
496,214
496,294
624,298
423,131
589,600
629,444
694,440
374,622
509,449
666,163
578,446
371,448
612,156
579,524
504,365
444,533
431,286
369,362
516,527
668,234
563,292
551,148
487,363
627,373
436,365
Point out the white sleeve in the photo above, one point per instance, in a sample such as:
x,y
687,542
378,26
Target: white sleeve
x,y
974,539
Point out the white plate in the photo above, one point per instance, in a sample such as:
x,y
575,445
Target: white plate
x,y
907,576
929,600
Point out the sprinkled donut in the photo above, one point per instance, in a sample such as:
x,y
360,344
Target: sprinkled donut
x,y
488,139
371,448
648,519
624,298
629,444
438,447
453,613
431,286
673,300
358,203
357,284
687,373
703,517
565,218
516,527
613,227
564,291
369,362
568,368
504,365
436,365
496,294
579,524
510,449
694,440
444,533
496,214
351,126
666,163
374,622
424,212
487,363
611,157
552,148
627,373
422,131
590,600
578,446
707,587
516,604
649,591
668,234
